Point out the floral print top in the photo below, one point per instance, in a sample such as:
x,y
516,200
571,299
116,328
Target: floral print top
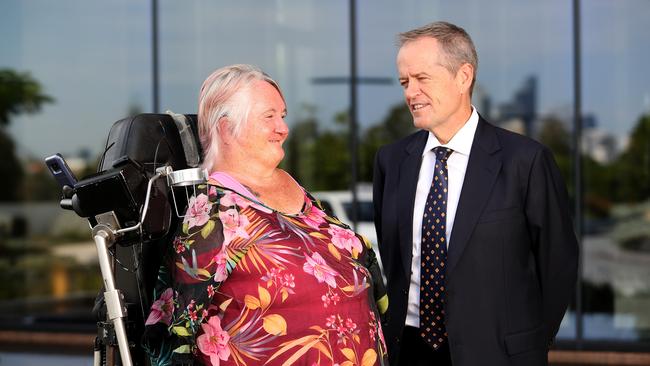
x,y
244,284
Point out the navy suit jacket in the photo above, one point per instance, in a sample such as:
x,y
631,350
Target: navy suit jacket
x,y
513,255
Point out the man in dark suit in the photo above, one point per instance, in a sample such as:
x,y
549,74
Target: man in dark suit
x,y
473,224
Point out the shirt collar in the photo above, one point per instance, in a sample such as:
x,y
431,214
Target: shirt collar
x,y
461,142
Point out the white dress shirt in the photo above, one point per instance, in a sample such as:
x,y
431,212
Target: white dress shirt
x,y
461,143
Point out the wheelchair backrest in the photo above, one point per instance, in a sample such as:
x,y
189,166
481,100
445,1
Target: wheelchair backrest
x,y
150,139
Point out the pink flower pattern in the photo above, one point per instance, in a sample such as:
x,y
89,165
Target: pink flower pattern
x,y
288,280
179,246
198,212
161,310
330,299
343,328
314,217
214,341
233,199
234,225
345,239
316,265
221,260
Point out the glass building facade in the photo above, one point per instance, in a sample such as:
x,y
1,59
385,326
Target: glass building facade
x,y
572,75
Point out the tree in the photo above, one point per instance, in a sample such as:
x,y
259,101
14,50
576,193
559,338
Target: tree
x,y
320,160
631,171
554,135
300,146
332,157
397,124
19,93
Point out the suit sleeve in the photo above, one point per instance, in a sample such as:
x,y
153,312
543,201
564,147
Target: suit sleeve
x,y
377,194
554,241
378,286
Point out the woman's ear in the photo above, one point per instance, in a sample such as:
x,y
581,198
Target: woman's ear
x,y
224,131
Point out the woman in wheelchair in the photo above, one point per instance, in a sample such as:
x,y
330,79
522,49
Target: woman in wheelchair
x,y
259,274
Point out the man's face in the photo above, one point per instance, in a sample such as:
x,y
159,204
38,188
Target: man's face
x,y
433,94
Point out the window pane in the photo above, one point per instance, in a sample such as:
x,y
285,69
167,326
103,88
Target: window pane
x,y
616,160
87,64
303,45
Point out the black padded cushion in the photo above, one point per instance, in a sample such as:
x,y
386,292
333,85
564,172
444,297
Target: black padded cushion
x,y
150,139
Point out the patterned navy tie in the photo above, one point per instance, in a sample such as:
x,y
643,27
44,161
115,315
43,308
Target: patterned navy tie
x,y
434,255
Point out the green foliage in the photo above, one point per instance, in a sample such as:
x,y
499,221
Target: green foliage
x,y
631,171
332,161
318,160
598,198
321,160
624,180
397,124
40,186
555,136
19,93
299,148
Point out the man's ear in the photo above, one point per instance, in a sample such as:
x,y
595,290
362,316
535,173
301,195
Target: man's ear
x,y
464,77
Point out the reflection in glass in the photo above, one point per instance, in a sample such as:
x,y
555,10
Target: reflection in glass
x,y
616,160
67,71
93,61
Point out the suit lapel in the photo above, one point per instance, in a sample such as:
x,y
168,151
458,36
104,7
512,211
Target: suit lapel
x,y
482,170
408,178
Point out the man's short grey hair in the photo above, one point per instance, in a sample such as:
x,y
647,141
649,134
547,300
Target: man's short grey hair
x,y
226,93
455,43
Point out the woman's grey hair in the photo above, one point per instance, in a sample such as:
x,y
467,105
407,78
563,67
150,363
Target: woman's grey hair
x,y
226,93
455,43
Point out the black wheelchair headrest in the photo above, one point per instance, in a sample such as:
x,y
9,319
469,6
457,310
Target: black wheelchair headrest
x,y
152,140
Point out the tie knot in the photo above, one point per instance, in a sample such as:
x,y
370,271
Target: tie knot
x,y
442,153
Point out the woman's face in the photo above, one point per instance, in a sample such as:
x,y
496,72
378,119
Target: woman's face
x,y
265,130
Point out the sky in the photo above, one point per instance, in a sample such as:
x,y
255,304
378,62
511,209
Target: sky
x,y
94,57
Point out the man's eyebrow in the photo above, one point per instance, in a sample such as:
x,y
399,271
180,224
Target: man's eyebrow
x,y
419,74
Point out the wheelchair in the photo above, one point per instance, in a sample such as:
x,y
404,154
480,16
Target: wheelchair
x,y
133,212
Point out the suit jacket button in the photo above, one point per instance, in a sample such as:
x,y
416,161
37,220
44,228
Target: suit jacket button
x,y
405,292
